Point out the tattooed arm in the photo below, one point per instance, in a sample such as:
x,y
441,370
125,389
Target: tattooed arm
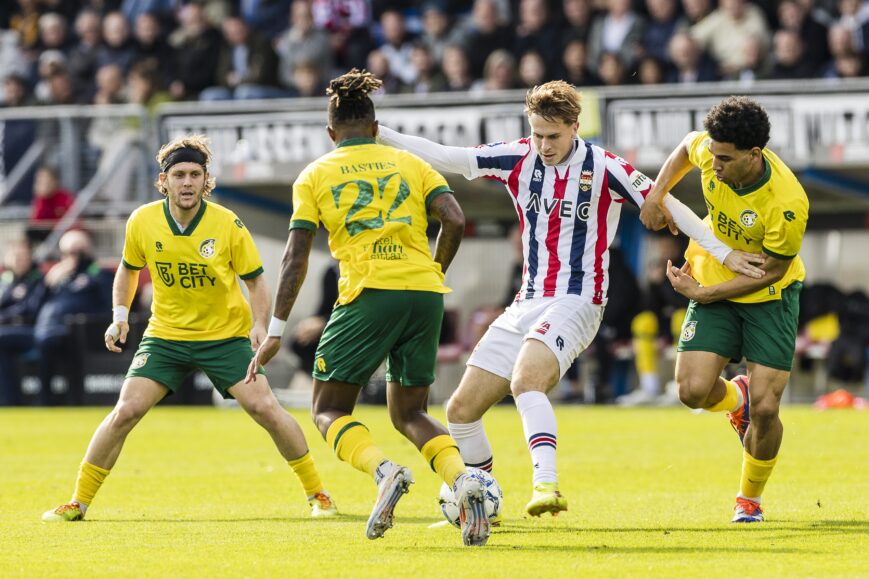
x,y
446,210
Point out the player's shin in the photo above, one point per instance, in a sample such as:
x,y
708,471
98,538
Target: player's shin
x,y
473,444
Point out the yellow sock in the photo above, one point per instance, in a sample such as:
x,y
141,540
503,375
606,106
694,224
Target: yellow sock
x,y
443,457
90,479
306,470
353,444
755,473
730,400
644,328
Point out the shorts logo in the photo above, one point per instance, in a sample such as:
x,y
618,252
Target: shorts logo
x,y
585,179
206,248
139,361
748,218
559,341
542,328
321,364
689,331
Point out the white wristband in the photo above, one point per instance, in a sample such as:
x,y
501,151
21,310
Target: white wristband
x,y
276,327
120,314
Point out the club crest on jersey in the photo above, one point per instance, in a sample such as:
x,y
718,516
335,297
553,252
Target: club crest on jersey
x,y
542,328
689,331
139,361
206,248
748,217
585,179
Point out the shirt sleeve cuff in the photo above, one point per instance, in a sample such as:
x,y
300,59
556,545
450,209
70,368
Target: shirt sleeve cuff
x,y
129,265
258,271
777,255
303,224
434,193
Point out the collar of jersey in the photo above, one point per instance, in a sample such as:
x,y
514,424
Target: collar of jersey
x,y
174,226
357,141
767,172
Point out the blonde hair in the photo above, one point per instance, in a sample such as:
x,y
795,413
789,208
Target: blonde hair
x,y
197,142
554,100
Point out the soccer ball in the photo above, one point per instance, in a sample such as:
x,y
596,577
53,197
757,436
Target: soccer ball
x,y
494,497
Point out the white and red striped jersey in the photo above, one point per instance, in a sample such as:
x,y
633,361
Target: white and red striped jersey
x,y
568,214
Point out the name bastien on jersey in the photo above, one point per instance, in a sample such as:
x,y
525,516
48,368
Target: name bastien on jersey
x,y
194,273
568,214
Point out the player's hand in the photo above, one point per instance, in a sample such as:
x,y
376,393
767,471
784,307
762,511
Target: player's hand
x,y
682,282
116,333
744,263
655,216
266,352
258,335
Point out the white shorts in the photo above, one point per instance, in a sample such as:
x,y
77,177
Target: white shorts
x,y
566,324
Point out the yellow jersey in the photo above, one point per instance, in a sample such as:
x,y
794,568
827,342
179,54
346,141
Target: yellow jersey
x,y
373,200
769,216
197,295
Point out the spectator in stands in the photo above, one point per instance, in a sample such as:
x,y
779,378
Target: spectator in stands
x,y
12,59
307,82
15,94
436,32
457,68
619,31
689,64
53,33
196,43
481,35
574,63
756,62
49,63
428,78
117,48
534,32
532,69
247,66
664,21
650,70
611,69
149,44
850,65
742,21
21,293
267,17
498,74
788,57
348,23
109,85
853,15
134,9
75,285
50,200
397,44
577,20
301,42
696,10
844,61
145,85
794,16
26,23
378,65
83,56
18,136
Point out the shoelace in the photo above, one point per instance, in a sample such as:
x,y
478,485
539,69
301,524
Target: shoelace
x,y
750,507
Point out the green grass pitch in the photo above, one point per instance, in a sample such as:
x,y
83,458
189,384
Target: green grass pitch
x,y
203,493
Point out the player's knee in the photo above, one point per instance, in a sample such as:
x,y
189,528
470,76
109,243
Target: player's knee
x,y
403,417
459,411
264,410
764,410
691,392
126,415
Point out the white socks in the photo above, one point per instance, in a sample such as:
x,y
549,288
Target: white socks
x,y
541,432
473,444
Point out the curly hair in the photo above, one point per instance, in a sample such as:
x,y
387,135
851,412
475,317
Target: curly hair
x,y
554,100
349,102
197,142
738,120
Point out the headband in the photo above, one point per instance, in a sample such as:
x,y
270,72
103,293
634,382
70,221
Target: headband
x,y
183,155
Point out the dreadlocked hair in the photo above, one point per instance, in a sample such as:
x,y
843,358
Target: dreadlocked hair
x,y
349,102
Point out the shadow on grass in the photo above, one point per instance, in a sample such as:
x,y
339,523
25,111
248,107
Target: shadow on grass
x,y
318,521
611,549
858,527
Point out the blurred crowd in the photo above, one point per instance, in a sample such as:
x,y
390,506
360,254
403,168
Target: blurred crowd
x,y
153,51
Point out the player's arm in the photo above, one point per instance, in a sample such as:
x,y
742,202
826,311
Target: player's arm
x,y
123,290
260,306
654,214
686,285
441,157
294,268
446,210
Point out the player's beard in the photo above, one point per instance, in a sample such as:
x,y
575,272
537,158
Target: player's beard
x,y
187,202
